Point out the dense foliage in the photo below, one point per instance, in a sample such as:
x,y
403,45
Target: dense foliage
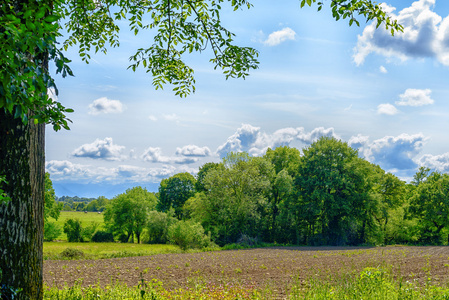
x,y
326,195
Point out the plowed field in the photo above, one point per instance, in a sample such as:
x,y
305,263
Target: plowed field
x,y
276,268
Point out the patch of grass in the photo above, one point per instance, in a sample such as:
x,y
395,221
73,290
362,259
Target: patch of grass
x,y
371,283
54,250
85,218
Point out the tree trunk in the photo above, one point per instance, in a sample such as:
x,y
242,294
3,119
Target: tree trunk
x,y
21,220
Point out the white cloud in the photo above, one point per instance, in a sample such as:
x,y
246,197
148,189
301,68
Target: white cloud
x,y
382,69
106,106
101,149
154,154
426,35
193,150
64,168
280,36
250,139
152,118
439,163
391,153
358,141
387,109
415,97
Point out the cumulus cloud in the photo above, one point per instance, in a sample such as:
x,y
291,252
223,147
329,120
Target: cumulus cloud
x,y
280,36
101,149
358,141
415,97
152,118
382,69
105,106
438,163
387,109
193,150
391,153
154,154
66,170
426,35
250,139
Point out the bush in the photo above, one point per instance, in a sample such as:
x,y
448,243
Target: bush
x,y
72,253
102,237
73,229
89,231
188,234
51,231
158,224
247,241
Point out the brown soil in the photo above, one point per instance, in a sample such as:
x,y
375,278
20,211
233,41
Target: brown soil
x,y
276,268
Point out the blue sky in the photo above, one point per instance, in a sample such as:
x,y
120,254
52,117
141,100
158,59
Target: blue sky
x,y
386,96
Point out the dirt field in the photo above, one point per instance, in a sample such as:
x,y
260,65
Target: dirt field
x,y
276,268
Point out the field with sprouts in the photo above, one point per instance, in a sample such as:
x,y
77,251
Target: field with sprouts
x,y
263,273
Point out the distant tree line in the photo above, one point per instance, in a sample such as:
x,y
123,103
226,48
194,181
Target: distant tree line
x,y
323,195
82,204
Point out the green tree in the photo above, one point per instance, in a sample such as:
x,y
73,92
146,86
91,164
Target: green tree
x,y
202,172
158,224
52,208
420,176
389,193
126,214
174,192
430,205
285,161
28,31
333,192
235,198
73,229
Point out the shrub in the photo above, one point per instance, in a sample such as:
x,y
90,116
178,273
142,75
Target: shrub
x,y
188,234
158,224
89,231
73,229
247,241
72,253
51,231
102,237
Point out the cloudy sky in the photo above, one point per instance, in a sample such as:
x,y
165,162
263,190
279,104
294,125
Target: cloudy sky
x,y
386,96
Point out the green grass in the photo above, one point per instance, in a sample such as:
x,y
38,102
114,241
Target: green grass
x,y
53,250
85,218
370,284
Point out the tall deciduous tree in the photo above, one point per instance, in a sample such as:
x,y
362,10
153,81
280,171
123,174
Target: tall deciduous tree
x,y
332,189
126,214
235,198
430,205
285,161
175,191
28,32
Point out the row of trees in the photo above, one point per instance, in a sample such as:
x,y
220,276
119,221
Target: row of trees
x,y
83,204
326,195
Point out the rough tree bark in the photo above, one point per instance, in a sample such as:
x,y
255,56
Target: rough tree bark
x,y
21,220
